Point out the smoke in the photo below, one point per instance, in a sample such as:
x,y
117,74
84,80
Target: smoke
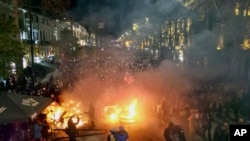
x,y
148,87
118,16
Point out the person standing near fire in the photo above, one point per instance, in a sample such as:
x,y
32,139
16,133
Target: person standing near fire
x,y
120,135
45,130
72,130
174,133
91,115
37,130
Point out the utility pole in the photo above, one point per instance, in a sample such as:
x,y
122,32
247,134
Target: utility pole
x,y
31,47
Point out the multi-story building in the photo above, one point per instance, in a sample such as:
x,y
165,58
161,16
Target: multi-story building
x,y
42,32
167,39
227,37
211,41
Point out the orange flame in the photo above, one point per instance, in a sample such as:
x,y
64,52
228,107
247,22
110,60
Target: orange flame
x,y
127,114
58,115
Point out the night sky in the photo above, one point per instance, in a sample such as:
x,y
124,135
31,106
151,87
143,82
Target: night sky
x,y
117,15
112,13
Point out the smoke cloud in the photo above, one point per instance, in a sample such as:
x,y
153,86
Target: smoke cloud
x,y
118,16
103,83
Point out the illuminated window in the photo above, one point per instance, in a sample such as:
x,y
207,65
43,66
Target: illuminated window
x,y
246,44
135,27
237,10
220,42
248,11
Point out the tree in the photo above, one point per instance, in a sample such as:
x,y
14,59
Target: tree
x,y
50,8
56,7
11,49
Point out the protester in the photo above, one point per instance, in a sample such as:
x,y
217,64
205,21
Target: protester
x,y
180,133
110,137
221,132
91,115
220,106
37,130
72,130
174,133
45,130
25,131
236,106
207,126
7,131
120,135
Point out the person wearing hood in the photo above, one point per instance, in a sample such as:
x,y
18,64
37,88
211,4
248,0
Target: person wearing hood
x,y
120,135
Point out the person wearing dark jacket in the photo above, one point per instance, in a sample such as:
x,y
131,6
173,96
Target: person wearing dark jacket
x,y
120,135
168,131
180,133
174,133
91,115
221,133
7,131
45,130
207,126
72,130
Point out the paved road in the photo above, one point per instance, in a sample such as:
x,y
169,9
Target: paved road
x,y
84,135
88,138
216,121
151,130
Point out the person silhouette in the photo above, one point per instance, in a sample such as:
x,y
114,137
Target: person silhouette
x,y
72,130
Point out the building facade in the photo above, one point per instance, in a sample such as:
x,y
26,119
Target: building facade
x,y
43,32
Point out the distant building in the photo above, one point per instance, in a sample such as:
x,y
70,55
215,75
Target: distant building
x,y
45,32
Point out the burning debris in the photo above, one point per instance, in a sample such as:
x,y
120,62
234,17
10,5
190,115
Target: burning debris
x,y
58,115
122,114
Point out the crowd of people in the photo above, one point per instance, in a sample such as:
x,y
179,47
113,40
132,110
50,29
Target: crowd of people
x,y
197,108
37,130
200,108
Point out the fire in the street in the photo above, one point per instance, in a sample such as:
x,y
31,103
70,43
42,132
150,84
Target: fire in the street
x,y
58,115
126,114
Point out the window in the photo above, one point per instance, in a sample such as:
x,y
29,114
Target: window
x,y
237,9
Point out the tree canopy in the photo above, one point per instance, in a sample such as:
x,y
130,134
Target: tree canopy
x,y
11,49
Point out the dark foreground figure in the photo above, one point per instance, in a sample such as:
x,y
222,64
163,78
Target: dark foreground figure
x,y
120,135
174,133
